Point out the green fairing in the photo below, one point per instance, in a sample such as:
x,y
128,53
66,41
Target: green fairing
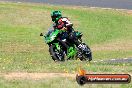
x,y
50,37
57,46
78,33
71,52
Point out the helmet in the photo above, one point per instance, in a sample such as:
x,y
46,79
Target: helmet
x,y
56,15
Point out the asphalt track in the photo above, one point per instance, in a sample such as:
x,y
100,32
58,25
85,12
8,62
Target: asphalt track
x,y
117,4
115,61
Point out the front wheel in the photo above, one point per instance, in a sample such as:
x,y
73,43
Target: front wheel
x,y
56,55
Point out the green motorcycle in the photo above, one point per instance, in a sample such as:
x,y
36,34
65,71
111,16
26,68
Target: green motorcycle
x,y
59,46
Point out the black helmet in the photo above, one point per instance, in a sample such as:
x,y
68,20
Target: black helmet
x,y
56,15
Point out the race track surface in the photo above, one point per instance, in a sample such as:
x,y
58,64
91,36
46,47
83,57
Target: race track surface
x,y
115,61
125,60
118,4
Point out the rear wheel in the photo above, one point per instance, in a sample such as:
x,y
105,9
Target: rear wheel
x,y
88,54
56,54
85,52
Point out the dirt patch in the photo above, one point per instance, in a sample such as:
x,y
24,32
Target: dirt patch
x,y
129,12
35,76
38,76
114,46
17,47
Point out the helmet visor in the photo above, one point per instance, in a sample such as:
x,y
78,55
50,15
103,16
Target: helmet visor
x,y
53,18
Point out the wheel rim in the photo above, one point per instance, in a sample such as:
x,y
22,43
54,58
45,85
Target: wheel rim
x,y
59,55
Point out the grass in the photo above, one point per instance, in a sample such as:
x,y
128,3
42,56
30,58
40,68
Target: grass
x,y
56,83
22,49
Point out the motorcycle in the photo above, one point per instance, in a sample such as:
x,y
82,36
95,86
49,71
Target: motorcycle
x,y
58,46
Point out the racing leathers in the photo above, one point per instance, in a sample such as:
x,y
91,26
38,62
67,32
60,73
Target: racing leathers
x,y
65,25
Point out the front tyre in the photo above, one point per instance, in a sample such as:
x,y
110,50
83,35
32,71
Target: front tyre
x,y
55,54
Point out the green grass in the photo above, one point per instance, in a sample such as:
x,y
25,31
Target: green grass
x,y
21,24
56,83
22,49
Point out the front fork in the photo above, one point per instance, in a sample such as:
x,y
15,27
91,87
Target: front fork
x,y
57,46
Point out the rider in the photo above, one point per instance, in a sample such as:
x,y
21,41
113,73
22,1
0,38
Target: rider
x,y
64,24
61,23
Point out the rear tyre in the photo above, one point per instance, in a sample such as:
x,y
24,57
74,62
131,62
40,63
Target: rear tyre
x,y
55,54
85,52
88,54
